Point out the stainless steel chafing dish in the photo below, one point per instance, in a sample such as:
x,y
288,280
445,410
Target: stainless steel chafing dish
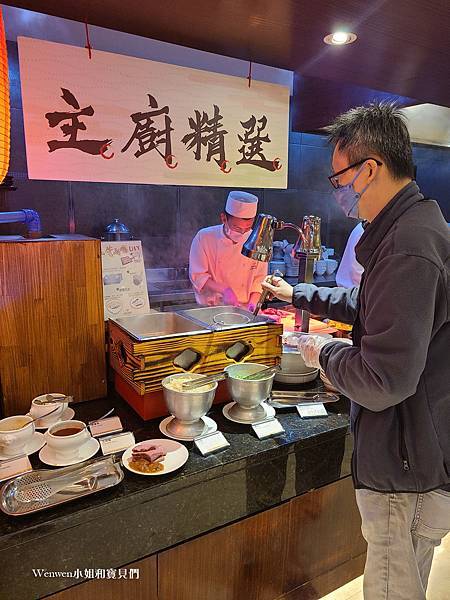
x,y
223,317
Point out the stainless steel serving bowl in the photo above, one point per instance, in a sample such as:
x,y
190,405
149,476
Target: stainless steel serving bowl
x,y
248,394
187,406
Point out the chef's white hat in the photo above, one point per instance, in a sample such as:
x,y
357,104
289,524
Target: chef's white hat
x,y
242,205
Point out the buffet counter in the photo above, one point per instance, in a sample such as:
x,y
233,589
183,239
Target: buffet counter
x,y
251,485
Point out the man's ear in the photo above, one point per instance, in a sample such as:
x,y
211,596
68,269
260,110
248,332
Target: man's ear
x,y
372,169
223,218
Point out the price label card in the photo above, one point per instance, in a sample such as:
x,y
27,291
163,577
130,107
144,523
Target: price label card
x,y
14,466
309,411
105,426
117,443
268,428
210,443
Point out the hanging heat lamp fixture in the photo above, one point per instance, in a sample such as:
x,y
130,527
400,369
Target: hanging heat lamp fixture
x,y
4,104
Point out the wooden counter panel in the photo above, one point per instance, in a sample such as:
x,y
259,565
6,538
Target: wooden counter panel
x,y
144,588
324,532
244,560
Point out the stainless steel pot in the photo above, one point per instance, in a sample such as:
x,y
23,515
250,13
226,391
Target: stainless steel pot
x,y
248,394
188,407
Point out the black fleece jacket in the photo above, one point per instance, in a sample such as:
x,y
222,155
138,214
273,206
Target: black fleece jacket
x,y
397,373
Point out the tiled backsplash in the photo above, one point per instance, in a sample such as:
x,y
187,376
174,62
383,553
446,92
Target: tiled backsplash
x,y
166,218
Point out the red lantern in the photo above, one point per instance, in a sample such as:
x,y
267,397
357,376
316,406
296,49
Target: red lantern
x,y
4,104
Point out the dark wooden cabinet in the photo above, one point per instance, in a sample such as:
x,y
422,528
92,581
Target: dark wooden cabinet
x,y
300,550
244,560
144,588
324,534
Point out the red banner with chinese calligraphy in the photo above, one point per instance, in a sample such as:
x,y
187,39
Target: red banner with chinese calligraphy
x,y
120,119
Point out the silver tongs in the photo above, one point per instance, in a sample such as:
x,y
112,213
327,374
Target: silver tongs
x,y
201,381
262,299
292,398
85,477
264,294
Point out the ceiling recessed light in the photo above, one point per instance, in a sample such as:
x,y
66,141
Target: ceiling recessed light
x,y
339,38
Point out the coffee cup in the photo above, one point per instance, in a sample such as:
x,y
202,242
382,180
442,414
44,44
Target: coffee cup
x,y
15,433
66,438
38,411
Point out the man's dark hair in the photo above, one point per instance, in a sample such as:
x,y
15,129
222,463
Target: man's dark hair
x,y
379,129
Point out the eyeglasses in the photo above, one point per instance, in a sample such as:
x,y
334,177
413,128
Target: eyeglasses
x,y
334,179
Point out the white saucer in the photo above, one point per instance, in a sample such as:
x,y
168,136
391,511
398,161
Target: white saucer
x,y
86,451
67,415
212,427
176,456
35,444
270,412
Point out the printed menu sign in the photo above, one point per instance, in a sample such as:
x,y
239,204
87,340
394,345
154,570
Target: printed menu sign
x,y
124,282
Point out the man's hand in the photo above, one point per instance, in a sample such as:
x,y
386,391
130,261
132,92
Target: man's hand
x,y
310,347
229,297
278,288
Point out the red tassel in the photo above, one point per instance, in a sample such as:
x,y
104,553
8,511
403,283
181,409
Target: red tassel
x,y
88,41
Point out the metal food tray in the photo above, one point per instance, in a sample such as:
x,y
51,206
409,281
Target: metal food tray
x,y
159,325
209,316
109,473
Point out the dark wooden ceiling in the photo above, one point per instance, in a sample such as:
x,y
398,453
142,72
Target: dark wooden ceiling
x,y
403,46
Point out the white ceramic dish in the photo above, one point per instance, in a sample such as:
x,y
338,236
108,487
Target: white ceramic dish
x,y
176,456
87,450
270,412
35,444
67,415
210,427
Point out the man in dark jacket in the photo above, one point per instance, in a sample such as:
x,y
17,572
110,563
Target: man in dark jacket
x,y
397,373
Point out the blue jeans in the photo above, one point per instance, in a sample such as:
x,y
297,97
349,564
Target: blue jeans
x,y
401,531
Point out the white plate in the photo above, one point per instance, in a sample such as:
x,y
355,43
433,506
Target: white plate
x,y
296,377
270,412
176,456
35,444
67,415
212,427
86,451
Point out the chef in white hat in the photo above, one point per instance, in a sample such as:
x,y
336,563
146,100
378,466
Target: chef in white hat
x,y
218,271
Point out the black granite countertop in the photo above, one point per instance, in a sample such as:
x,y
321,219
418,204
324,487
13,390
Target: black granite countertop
x,y
151,514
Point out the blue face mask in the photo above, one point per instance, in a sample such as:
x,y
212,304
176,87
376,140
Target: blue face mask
x,y
348,198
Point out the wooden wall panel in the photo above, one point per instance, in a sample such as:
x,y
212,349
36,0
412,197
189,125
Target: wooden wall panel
x,y
51,321
144,588
244,560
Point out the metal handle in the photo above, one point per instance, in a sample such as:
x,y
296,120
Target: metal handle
x,y
195,383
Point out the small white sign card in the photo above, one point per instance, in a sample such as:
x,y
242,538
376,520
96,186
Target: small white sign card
x,y
118,442
212,442
309,411
268,428
14,466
